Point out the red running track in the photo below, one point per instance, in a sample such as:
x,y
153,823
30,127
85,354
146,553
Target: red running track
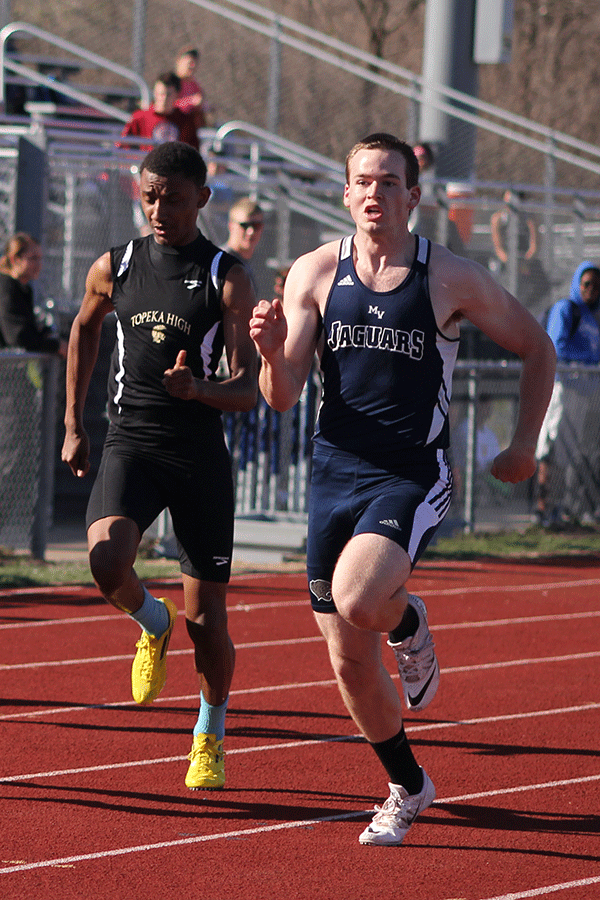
x,y
92,796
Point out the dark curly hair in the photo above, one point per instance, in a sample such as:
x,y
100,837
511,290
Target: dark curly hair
x,y
176,158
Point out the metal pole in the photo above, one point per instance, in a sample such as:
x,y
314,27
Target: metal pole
x,y
412,124
138,36
5,12
512,243
549,186
471,452
45,500
274,78
68,268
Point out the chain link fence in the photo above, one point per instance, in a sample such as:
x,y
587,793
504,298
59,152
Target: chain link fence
x,y
28,388
272,451
531,227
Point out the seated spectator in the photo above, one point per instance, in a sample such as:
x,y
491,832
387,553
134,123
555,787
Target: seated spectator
x,y
21,264
191,98
163,121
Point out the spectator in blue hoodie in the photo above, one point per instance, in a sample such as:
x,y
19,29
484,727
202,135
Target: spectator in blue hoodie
x,y
570,436
573,324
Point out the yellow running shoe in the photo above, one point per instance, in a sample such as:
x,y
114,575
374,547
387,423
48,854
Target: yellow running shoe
x,y
149,669
207,764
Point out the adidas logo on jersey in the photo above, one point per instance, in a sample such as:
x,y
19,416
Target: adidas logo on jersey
x,y
391,523
346,281
192,283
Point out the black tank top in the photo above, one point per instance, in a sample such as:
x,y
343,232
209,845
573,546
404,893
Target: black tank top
x,y
387,369
166,299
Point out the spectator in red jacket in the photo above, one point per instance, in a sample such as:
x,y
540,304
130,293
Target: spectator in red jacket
x,y
163,121
191,97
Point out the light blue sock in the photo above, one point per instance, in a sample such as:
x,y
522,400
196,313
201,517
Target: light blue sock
x,y
211,719
153,615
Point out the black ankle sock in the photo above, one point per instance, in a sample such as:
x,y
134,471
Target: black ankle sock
x,y
398,761
407,627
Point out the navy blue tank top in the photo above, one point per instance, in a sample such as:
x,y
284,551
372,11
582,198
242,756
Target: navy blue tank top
x,y
387,369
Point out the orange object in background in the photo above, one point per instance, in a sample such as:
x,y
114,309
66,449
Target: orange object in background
x,y
462,215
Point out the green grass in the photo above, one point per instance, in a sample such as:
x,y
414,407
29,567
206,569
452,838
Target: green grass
x,y
534,542
21,571
17,571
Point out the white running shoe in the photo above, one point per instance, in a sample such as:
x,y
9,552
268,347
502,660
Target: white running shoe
x,y
392,821
417,662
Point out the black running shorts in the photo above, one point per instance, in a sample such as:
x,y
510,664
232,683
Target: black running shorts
x,y
138,479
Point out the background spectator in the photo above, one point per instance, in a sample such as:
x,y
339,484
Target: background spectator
x,y
19,327
191,99
532,283
280,275
425,156
568,450
526,229
20,398
426,218
487,448
163,121
245,226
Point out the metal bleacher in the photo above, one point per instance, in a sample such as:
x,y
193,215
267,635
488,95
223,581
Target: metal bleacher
x,y
88,182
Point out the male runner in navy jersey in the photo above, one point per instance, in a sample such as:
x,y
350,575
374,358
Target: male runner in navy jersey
x,y
179,301
382,308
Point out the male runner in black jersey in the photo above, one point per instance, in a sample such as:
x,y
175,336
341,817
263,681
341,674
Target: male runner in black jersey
x,y
179,301
382,308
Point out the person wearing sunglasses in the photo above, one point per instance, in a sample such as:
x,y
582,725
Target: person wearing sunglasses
x,y
245,226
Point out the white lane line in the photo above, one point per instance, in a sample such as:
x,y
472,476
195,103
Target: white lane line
x,y
282,604
295,686
518,620
509,588
59,663
292,745
111,617
187,651
549,889
265,829
481,667
88,590
255,645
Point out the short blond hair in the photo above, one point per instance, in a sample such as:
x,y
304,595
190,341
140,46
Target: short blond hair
x,y
245,206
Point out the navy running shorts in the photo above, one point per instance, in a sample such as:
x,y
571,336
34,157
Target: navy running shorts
x,y
350,496
139,480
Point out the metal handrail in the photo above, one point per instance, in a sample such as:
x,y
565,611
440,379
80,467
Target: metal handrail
x,y
439,96
82,53
287,149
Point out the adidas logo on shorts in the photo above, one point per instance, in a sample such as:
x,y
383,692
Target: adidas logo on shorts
x,y
391,523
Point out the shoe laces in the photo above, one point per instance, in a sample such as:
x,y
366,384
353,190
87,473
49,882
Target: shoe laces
x,y
395,811
205,750
150,648
415,663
